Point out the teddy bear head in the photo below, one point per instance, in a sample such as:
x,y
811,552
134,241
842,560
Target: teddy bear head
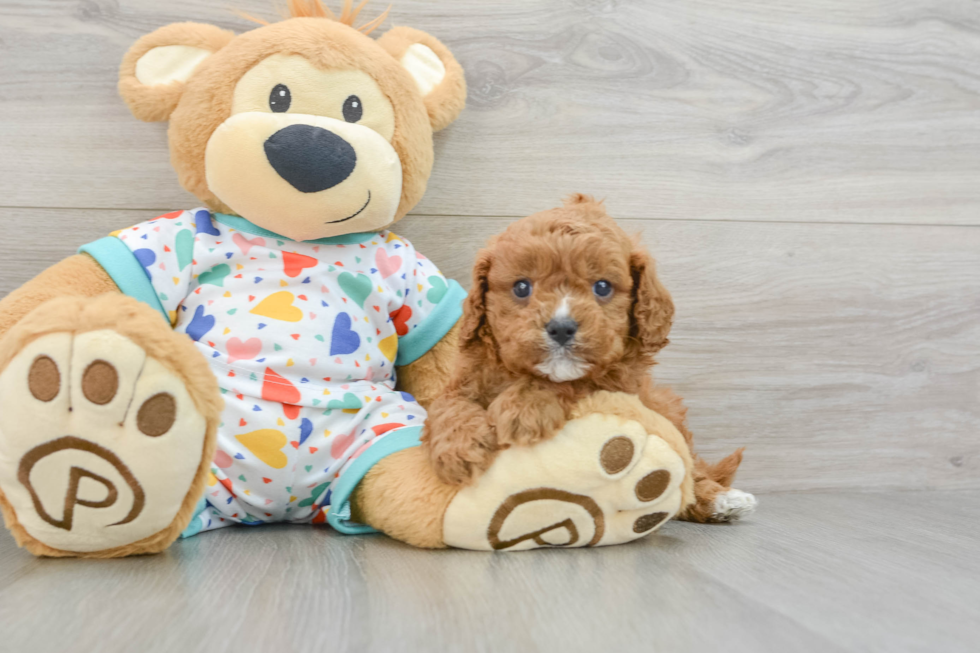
x,y
306,127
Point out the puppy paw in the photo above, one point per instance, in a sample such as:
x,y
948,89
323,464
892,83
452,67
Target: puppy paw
x,y
600,480
523,416
458,466
458,440
732,505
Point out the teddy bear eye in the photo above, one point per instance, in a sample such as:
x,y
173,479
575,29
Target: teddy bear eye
x,y
602,288
522,289
353,109
280,98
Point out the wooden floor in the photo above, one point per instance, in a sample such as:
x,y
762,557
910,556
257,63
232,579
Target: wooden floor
x,y
823,572
808,176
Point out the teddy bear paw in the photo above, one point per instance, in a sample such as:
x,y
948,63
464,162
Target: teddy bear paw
x,y
99,443
601,480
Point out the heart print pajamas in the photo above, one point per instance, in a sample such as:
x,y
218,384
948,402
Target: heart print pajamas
x,y
303,338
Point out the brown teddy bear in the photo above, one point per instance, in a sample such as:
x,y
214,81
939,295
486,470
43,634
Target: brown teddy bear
x,y
268,357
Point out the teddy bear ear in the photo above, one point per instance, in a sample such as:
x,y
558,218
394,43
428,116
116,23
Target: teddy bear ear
x,y
436,72
154,70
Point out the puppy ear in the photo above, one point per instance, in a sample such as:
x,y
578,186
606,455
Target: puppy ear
x,y
653,310
436,72
473,326
154,70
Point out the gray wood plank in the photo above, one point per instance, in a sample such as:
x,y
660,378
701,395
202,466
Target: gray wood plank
x,y
811,572
842,356
883,572
13,562
295,589
831,110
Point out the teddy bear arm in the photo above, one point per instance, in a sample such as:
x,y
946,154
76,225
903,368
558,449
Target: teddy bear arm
x,y
77,275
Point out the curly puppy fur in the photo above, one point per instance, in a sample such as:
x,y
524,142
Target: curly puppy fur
x,y
515,385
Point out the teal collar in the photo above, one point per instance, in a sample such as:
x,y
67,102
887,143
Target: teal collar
x,y
243,225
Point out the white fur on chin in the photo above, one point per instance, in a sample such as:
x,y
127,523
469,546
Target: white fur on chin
x,y
562,365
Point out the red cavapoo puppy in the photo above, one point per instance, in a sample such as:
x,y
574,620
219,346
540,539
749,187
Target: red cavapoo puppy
x,y
563,304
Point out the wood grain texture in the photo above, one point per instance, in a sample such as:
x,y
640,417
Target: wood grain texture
x,y
830,111
842,356
818,572
808,176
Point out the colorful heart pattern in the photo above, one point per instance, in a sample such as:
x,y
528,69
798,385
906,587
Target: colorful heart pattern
x,y
294,264
276,387
215,276
303,338
241,351
146,258
349,404
184,247
246,244
400,319
200,324
437,289
389,347
266,445
343,339
356,287
387,265
279,306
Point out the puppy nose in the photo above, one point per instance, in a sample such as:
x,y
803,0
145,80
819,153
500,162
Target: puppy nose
x,y
310,158
561,330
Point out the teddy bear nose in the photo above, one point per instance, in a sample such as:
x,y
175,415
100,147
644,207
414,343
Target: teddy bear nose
x,y
561,330
310,158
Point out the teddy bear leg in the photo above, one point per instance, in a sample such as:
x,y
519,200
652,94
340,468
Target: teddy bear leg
x,y
402,497
107,427
615,472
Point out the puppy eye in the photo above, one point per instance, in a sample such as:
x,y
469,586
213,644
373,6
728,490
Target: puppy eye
x,y
522,289
602,288
280,98
353,109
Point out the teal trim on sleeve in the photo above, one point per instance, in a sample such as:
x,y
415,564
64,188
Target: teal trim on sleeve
x,y
424,337
243,225
392,442
121,265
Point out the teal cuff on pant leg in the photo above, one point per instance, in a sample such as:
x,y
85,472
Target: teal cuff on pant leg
x,y
197,524
339,513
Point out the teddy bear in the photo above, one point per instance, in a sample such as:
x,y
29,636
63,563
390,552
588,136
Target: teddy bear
x,y
268,356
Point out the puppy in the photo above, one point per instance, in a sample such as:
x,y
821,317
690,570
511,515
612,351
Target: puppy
x,y
563,304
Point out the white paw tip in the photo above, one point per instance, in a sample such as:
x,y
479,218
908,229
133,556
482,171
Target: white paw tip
x,y
733,505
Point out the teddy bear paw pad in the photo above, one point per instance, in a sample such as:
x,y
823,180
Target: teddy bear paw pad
x,y
99,443
601,480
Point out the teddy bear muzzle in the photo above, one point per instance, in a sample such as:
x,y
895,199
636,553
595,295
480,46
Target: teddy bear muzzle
x,y
304,176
